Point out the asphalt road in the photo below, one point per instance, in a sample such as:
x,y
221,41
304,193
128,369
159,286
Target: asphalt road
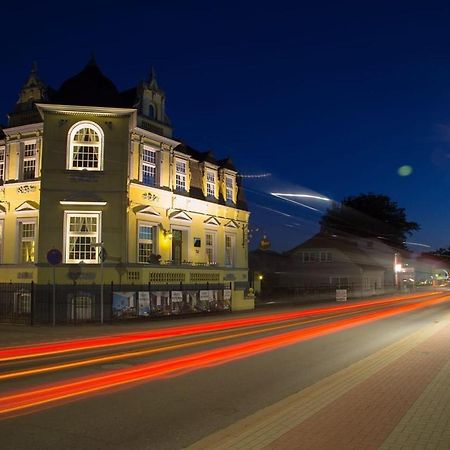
x,y
176,408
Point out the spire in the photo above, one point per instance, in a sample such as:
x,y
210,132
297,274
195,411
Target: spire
x,y
33,91
92,61
153,84
33,77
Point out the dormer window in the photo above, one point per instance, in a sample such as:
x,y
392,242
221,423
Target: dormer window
x,y
180,175
148,166
85,142
210,183
2,164
29,160
229,188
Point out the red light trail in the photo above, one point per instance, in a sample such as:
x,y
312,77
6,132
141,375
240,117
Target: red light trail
x,y
44,395
45,349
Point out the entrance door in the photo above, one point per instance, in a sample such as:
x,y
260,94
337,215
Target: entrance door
x,y
177,245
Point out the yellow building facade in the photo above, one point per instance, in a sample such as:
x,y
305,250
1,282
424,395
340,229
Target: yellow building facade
x,y
95,173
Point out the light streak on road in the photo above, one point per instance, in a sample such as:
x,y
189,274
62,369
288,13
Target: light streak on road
x,y
51,348
147,352
65,390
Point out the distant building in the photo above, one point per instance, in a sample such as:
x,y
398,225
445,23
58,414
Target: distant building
x,y
344,262
327,262
87,164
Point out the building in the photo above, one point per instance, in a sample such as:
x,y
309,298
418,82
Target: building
x,y
326,262
96,174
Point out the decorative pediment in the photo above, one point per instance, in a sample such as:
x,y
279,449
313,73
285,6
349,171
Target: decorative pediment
x,y
28,206
232,224
2,210
212,221
147,210
180,215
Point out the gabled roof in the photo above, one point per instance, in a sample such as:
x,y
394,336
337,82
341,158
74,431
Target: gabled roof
x,y
147,210
212,221
346,244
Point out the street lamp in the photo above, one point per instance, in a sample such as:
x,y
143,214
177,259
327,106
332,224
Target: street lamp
x,y
102,257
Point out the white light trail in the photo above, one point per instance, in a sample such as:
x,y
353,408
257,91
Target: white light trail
x,y
257,175
315,197
418,244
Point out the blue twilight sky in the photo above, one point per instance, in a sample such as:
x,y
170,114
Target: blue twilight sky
x,y
329,97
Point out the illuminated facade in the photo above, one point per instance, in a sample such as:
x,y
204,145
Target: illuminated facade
x,y
87,164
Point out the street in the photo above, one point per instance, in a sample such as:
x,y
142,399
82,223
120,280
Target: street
x,y
168,387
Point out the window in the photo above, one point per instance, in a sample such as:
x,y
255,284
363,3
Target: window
x,y
210,183
29,161
27,236
2,164
229,189
229,250
82,232
308,257
180,175
210,248
151,111
146,236
148,166
325,257
85,147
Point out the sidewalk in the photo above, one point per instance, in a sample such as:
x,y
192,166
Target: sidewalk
x,y
397,398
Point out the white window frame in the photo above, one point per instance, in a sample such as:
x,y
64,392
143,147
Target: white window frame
x,y
21,239
149,158
153,226
71,144
211,176
230,251
97,236
2,164
212,246
181,170
29,158
229,189
325,257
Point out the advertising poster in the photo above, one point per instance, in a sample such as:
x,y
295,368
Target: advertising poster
x,y
144,303
124,304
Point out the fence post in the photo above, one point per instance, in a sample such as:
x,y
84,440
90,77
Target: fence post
x,y
32,304
112,300
149,287
74,302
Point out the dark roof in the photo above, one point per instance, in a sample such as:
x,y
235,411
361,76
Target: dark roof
x,y
227,164
88,88
129,98
2,135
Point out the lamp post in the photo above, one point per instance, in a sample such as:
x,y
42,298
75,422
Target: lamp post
x,y
102,257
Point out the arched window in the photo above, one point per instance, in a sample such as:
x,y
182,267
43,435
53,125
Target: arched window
x,y
152,111
85,147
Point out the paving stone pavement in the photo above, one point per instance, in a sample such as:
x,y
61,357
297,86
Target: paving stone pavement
x,y
397,398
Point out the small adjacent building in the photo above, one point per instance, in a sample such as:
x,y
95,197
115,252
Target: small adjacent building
x,y
96,173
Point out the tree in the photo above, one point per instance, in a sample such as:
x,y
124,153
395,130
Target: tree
x,y
369,215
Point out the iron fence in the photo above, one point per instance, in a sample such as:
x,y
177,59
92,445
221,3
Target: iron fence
x,y
29,303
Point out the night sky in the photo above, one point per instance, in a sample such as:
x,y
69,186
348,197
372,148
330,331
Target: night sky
x,y
330,98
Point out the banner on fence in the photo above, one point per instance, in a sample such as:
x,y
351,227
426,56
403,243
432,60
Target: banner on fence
x,y
124,304
144,303
177,296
